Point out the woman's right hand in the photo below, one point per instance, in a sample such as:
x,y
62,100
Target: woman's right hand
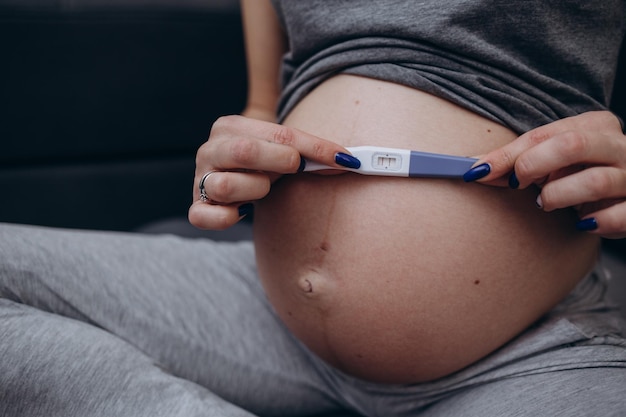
x,y
245,156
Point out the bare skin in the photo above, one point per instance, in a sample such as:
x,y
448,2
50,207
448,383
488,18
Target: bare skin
x,y
406,280
402,280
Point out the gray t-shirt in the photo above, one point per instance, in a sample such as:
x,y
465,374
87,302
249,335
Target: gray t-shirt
x,y
522,63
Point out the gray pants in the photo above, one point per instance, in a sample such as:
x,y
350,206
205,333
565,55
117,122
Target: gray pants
x,y
114,324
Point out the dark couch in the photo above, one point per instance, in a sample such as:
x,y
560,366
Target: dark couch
x,y
104,103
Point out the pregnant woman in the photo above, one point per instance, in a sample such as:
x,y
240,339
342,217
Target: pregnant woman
x,y
372,295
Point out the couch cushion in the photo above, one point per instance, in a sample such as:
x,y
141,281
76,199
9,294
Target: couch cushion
x,y
82,5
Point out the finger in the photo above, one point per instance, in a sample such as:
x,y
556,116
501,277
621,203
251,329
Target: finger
x,y
228,187
609,222
264,146
216,217
589,185
502,160
565,152
243,153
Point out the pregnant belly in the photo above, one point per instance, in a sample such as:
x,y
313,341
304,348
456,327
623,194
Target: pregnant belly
x,y
408,280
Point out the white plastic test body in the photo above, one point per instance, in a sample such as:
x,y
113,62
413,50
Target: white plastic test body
x,y
393,162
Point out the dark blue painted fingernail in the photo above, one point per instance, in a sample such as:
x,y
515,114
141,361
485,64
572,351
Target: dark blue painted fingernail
x,y
246,209
347,161
587,225
476,173
513,181
302,164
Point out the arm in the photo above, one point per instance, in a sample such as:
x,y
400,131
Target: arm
x,y
265,44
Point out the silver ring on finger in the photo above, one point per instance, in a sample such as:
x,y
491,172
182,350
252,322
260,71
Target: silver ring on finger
x,y
203,195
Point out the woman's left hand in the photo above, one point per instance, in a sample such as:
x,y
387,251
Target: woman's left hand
x,y
577,162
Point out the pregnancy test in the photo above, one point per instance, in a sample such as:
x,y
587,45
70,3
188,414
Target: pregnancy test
x,y
393,162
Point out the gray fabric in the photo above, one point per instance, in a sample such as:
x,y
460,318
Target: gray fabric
x,y
141,326
99,324
521,63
